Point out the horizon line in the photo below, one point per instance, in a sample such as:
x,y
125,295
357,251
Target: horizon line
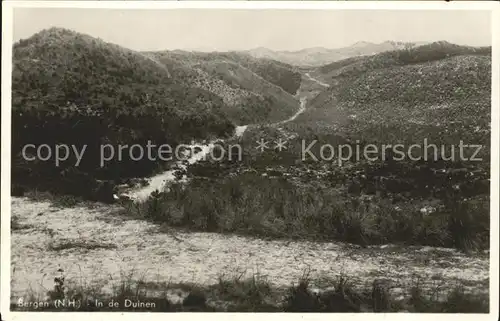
x,y
208,50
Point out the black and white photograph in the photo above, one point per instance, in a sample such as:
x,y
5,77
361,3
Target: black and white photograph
x,y
249,159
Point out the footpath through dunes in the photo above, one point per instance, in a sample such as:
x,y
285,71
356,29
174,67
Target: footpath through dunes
x,y
316,80
160,181
98,247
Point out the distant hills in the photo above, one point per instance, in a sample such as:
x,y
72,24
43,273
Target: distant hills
x,y
317,56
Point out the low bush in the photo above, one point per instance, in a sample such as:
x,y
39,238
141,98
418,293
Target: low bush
x,y
274,207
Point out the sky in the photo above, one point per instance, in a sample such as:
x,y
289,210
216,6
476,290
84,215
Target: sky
x,y
230,29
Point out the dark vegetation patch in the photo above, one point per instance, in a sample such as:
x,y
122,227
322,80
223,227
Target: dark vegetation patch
x,y
77,244
15,225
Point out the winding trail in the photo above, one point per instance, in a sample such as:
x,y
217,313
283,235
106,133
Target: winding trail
x,y
160,181
302,108
316,80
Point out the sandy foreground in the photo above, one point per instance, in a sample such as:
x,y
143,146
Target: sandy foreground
x,y
99,245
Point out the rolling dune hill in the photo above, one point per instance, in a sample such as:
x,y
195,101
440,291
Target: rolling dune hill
x,y
437,90
354,66
438,94
260,90
318,56
91,92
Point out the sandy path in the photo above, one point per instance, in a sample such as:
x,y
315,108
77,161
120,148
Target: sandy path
x,y
317,81
140,249
303,102
160,181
